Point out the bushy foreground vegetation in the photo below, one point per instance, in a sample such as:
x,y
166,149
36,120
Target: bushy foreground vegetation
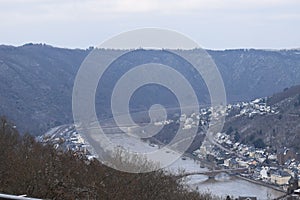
x,y
27,167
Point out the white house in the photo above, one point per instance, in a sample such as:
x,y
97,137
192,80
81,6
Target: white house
x,y
264,173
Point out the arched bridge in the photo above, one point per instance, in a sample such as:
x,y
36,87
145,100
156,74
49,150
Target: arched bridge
x,y
212,174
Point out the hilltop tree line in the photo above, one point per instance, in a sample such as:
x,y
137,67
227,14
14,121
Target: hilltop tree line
x,y
28,167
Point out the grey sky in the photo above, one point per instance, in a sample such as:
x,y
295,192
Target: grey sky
x,y
214,24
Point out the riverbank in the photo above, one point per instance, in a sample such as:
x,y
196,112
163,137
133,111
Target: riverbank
x,y
234,186
262,184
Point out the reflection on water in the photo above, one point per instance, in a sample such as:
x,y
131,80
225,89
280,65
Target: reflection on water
x,y
195,179
223,185
222,177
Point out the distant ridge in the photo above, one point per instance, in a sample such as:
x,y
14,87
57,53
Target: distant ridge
x,y
36,80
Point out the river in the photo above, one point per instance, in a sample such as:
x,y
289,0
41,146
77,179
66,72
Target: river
x,y
232,186
223,184
220,185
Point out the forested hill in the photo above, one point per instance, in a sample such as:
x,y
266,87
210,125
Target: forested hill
x,y
36,80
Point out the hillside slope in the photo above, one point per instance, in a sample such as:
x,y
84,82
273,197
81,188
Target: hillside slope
x,y
36,85
278,130
36,80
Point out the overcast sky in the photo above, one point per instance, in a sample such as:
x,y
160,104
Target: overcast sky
x,y
214,24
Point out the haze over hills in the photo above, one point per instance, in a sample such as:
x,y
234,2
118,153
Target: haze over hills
x,y
37,80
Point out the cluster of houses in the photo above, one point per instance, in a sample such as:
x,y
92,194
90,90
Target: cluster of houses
x,y
66,138
188,121
255,107
281,168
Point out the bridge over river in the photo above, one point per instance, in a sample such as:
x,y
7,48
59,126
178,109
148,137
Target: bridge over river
x,y
213,173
